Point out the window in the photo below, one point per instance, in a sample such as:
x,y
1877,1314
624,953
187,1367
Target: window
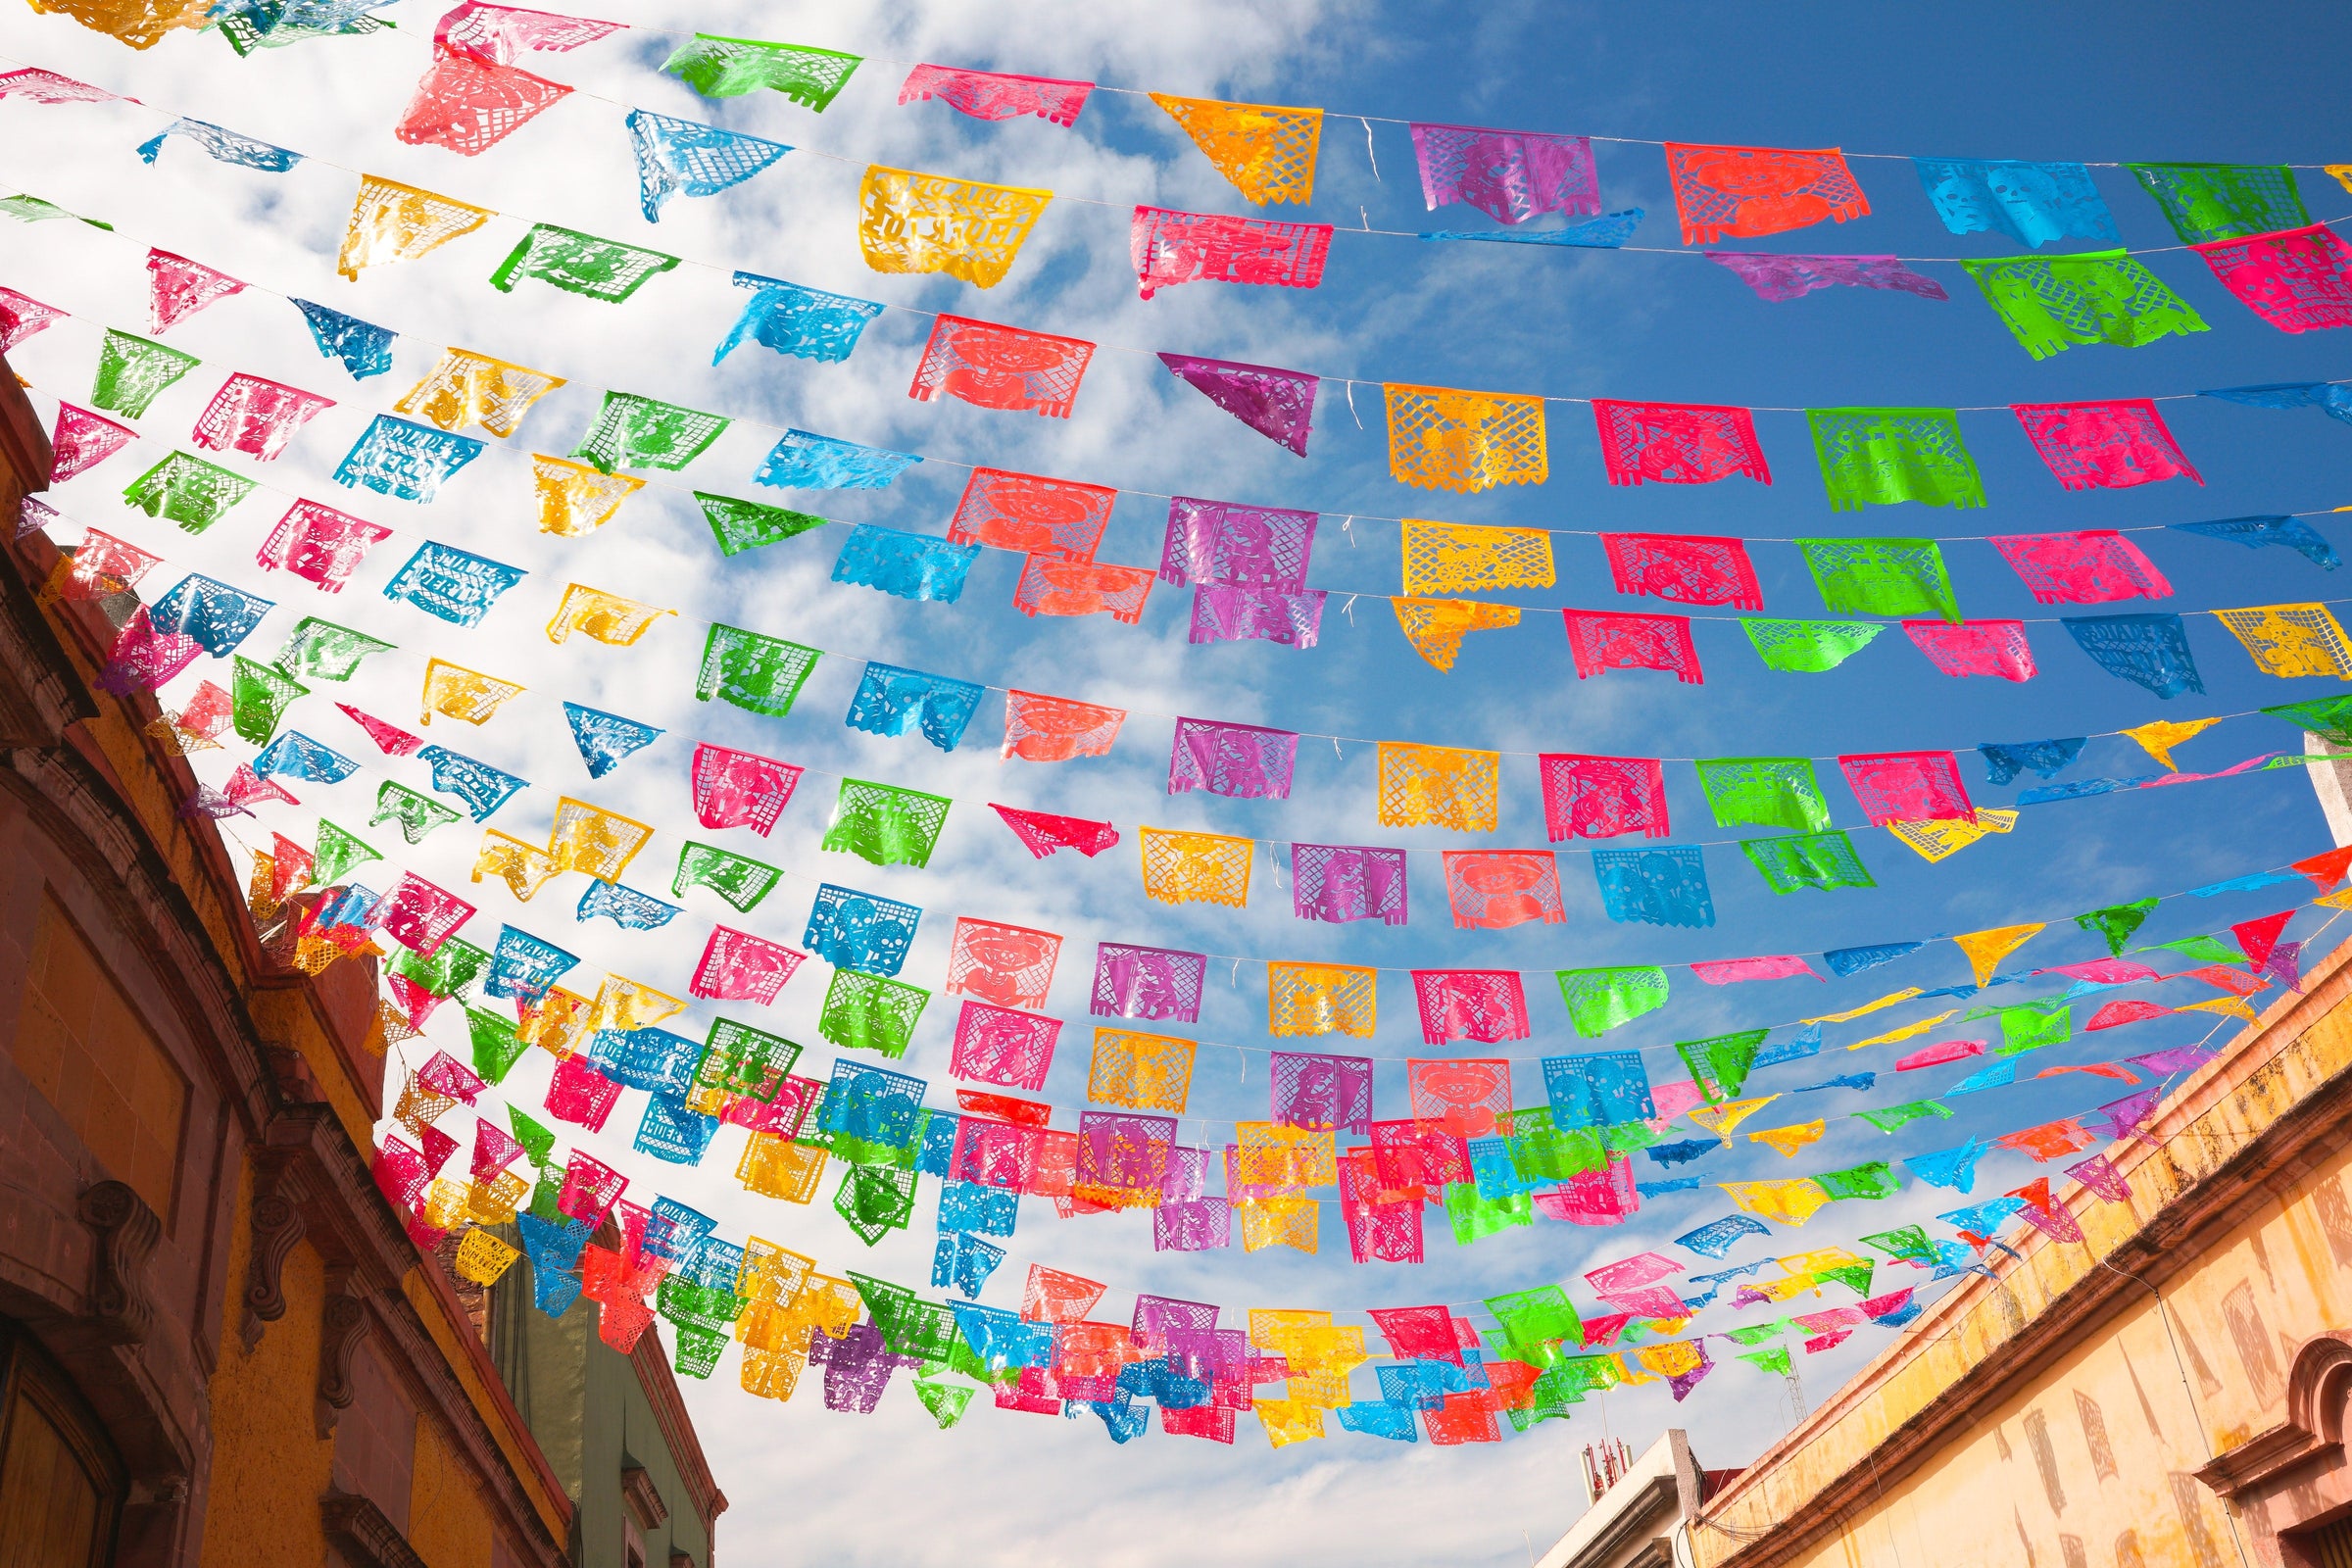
x,y
85,1047
61,1487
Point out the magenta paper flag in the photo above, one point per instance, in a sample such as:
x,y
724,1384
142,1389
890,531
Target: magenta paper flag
x,y
1170,247
1230,542
1225,613
1786,278
739,788
1677,443
1602,641
1483,1005
1041,832
1602,796
2300,279
390,739
82,440
20,315
1687,568
1731,971
1341,882
178,287
2104,445
1908,787
255,416
737,966
1243,761
1491,889
1278,405
996,95
1004,1047
2104,971
1974,647
321,545
1510,176
993,366
2094,567
418,915
1936,1056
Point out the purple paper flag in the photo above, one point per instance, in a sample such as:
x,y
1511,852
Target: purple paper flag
x,y
1243,760
1277,403
1341,882
1224,613
1229,542
1789,277
1132,982
1323,1093
1510,176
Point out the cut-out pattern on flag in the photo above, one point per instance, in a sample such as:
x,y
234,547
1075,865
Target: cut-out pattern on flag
x,y
255,417
484,788
1601,796
2299,280
1483,1005
729,67
641,432
687,158
1031,515
1460,1099
189,491
467,389
1196,867
1448,557
1940,839
992,367
856,930
1685,568
741,882
2107,446
1056,585
1600,1089
791,318
1601,641
1010,965
1763,792
132,372
756,673
1436,627
328,651
1322,999
1778,278
999,1046
906,566
523,868
803,462
1339,883
1808,647
1602,1000
226,146
2051,303
452,584
502,34
1141,1072
1056,729
82,440
2092,567
1824,861
884,825
608,618
737,966
891,700
1041,832
2224,201
361,348
1974,647
1510,176
143,659
738,789
1908,787
1228,542
177,288
1168,247
470,105
867,1012
1655,887
588,838
394,223
741,526
606,740
1438,786
1245,761
1132,982
1445,439
1881,576
403,461
40,86
1877,456
1677,443
1268,151
916,222
2032,203
996,95
465,695
1279,405
1322,1093
102,564
2291,639
575,499
1491,889
21,315
1747,192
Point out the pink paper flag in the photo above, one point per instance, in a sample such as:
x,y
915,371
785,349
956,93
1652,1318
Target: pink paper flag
x,y
82,440
1908,787
2298,279
1170,247
1601,641
737,966
1936,1056
178,287
996,95
2104,445
1731,971
2094,567
320,543
1974,647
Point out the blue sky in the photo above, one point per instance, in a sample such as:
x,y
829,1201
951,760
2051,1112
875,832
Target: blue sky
x,y
2160,83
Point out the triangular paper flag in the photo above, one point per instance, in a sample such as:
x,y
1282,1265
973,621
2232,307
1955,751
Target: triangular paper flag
x,y
1789,1140
2159,738
1721,1120
1279,405
1987,949
1851,1013
181,287
2325,870
391,739
2258,937
2117,922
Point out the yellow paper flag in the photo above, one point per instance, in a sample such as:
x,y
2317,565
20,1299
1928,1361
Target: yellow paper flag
x,y
1944,838
911,223
1851,1013
1721,1120
575,499
1281,1222
2291,639
140,23
1443,439
1438,786
1820,1261
467,694
1907,1032
1987,949
556,1023
1288,1421
1458,558
523,868
1321,999
1791,1203
2234,1006
1143,1071
608,617
1789,1140
2158,739
395,222
588,838
1436,626
1196,867
482,1257
2343,177
1671,1360
467,389
1266,150
624,1003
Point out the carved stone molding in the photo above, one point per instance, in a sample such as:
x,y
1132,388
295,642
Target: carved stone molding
x,y
125,1231
276,1227
2316,1389
343,1325
642,1497
359,1529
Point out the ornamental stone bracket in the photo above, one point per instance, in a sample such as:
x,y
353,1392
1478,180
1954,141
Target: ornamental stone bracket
x,y
360,1532
342,1326
125,1230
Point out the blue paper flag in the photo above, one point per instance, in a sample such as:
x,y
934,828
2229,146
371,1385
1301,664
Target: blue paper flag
x,y
1997,1075
605,738
1604,233
889,700
906,566
670,1132
2244,884
651,1059
2255,532
805,462
364,348
1851,1080
2032,203
1000,1339
854,930
2042,758
1954,1168
294,755
484,788
2328,397
524,967
1597,1090
1718,1237
1846,962
806,322
553,1248
936,1155
1682,1153
871,1104
1662,885
218,614
1984,1220
685,157
2148,650
677,1233
2078,788
225,145
966,1261
403,461
1806,1041
1680,1184
983,1210
455,585
625,907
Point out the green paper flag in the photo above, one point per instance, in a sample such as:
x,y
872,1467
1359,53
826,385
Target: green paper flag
x,y
874,1201
1823,861
418,815
2328,717
496,1045
1908,1244
2116,922
1757,1333
132,370
1720,1064
640,433
1475,1218
2224,201
924,1331
1886,1118
741,526
1600,1000
728,68
1881,576
1592,1373
2051,303
1877,456
699,1349
2204,950
741,882
579,263
1764,792
2032,1025
869,1012
33,208
885,825
1540,1151
1536,1321
944,1400
189,490
1808,647
758,674
257,697
1855,1276
454,966
1629,1137
325,650
1871,1179
336,853
538,1141
738,1059
1774,1359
